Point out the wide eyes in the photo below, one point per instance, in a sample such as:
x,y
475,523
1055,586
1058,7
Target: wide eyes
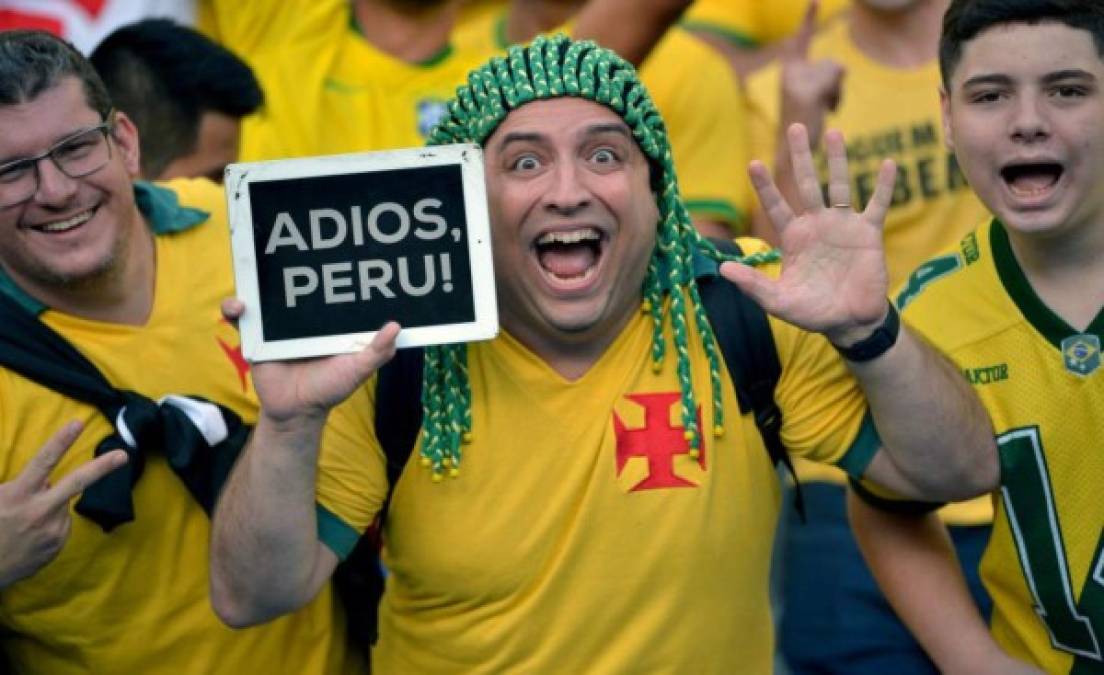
x,y
526,162
603,156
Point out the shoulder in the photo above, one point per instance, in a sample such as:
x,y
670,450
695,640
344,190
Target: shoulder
x,y
956,296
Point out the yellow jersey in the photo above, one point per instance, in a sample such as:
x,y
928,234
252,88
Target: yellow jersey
x,y
327,90
1043,385
754,23
580,535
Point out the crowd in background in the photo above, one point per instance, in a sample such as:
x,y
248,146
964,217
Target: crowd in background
x,y
211,82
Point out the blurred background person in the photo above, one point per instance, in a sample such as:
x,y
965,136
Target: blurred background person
x,y
872,74
352,76
691,85
186,94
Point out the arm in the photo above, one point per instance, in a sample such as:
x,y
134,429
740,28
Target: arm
x,y
914,563
266,557
628,27
937,439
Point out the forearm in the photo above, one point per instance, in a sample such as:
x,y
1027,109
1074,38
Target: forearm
x,y
266,558
913,560
628,27
937,436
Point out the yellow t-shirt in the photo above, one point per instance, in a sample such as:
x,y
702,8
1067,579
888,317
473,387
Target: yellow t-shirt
x,y
580,536
705,122
135,600
885,112
1043,385
753,23
327,90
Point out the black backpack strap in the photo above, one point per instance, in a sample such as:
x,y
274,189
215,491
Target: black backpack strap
x,y
398,419
744,336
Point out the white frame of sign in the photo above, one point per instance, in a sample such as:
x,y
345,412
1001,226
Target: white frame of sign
x,y
470,159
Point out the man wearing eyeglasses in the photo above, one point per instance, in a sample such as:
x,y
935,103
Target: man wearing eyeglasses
x,y
131,275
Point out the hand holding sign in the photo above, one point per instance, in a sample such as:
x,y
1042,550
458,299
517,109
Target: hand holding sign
x,y
306,387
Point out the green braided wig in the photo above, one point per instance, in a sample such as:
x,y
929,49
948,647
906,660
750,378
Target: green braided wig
x,y
553,67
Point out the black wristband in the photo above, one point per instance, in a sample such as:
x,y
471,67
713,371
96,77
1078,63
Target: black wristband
x,y
877,343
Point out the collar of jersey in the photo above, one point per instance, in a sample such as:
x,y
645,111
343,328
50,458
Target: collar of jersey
x,y
1053,327
159,206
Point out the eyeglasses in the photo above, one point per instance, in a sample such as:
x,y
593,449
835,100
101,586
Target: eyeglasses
x,y
83,153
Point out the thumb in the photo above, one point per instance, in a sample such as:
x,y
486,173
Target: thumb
x,y
752,283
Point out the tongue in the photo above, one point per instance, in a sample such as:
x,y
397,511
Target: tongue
x,y
1033,182
567,261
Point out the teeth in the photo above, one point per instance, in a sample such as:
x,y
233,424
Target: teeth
x,y
67,224
571,237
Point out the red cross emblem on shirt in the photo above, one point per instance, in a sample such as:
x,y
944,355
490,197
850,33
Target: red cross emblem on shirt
x,y
657,440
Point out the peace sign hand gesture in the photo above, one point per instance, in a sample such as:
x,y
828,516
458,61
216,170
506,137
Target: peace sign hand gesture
x,y
34,515
833,279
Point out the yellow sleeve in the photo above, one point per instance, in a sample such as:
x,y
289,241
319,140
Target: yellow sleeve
x,y
733,20
352,476
779,19
705,126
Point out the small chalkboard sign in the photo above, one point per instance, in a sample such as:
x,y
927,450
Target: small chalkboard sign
x,y
328,249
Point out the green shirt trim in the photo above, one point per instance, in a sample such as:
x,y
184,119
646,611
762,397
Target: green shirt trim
x,y
1052,327
862,450
335,533
715,207
735,37
163,213
355,26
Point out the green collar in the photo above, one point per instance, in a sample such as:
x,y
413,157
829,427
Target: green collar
x,y
162,212
433,60
1053,327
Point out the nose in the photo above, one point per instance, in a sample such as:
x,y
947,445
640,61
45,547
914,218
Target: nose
x,y
54,187
1029,122
567,192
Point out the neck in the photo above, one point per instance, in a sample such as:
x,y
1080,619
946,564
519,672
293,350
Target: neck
x,y
122,294
1066,272
527,19
571,355
899,39
407,32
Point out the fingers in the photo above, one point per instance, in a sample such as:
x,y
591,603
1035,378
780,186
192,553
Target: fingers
x,y
753,283
839,179
882,199
232,310
379,351
48,456
770,197
86,474
804,170
804,35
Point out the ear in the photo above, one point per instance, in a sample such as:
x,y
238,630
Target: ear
x,y
945,108
126,141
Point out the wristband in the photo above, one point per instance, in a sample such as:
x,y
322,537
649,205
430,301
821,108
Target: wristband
x,y
877,343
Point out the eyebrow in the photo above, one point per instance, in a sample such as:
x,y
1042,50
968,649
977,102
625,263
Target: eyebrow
x,y
1049,78
593,130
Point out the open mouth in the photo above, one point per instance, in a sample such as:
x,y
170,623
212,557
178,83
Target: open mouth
x,y
1031,179
570,255
66,224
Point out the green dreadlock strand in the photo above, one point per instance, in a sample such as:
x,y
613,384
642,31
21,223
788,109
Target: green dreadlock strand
x,y
551,67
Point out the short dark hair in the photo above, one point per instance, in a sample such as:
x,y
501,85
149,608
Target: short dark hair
x,y
164,76
965,19
33,61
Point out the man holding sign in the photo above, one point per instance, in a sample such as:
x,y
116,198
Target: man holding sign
x,y
608,496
